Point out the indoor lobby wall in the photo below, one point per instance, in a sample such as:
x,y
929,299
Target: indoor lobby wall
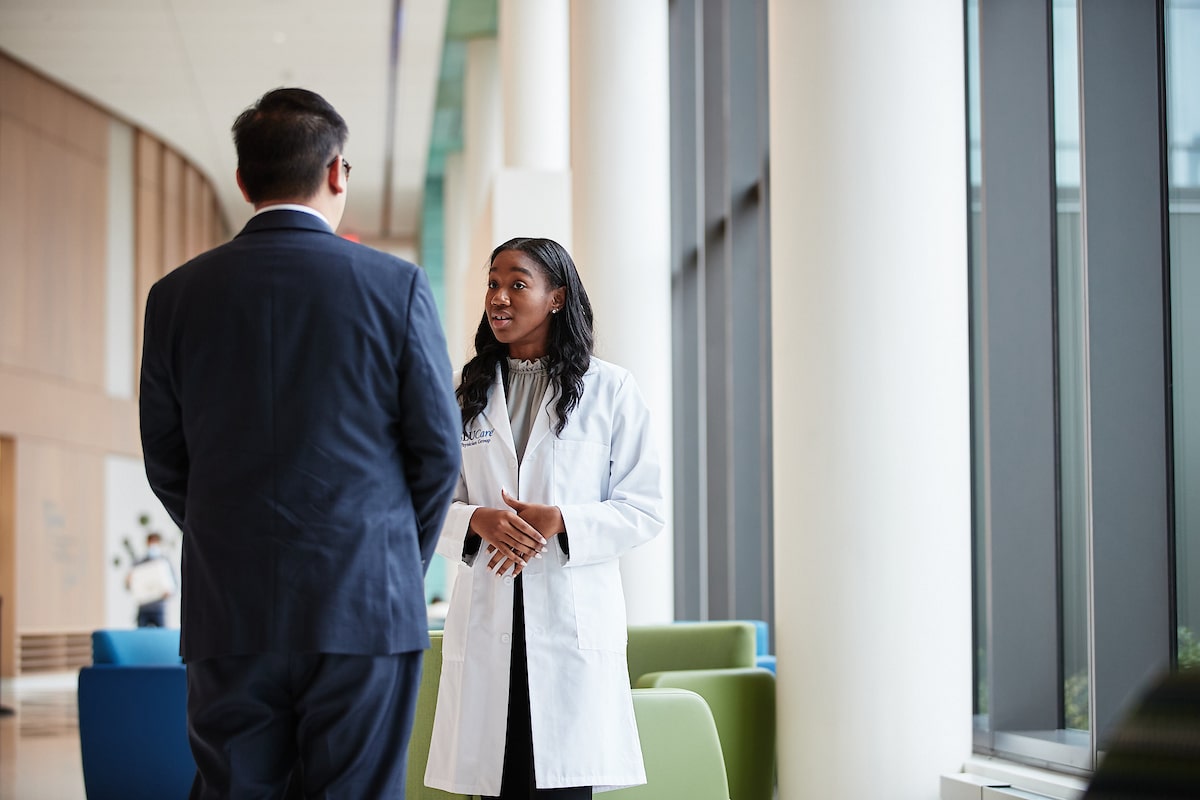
x,y
66,317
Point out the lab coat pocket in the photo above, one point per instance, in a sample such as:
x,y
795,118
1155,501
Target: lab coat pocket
x,y
458,617
581,471
599,606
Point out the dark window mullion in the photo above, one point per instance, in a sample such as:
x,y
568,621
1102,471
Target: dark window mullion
x,y
1124,224
1017,345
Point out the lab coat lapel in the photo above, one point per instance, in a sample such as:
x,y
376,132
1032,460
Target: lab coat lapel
x,y
545,420
496,413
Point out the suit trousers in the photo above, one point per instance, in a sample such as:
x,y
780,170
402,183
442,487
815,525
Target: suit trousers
x,y
517,782
336,725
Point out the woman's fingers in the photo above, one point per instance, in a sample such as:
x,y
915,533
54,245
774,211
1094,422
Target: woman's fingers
x,y
523,536
506,530
530,535
501,562
506,551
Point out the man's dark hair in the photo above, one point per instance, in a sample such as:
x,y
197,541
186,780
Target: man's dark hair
x,y
285,142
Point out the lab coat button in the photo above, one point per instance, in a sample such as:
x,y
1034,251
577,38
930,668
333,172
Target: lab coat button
x,y
508,581
505,638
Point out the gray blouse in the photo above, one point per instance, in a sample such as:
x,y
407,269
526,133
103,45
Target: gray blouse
x,y
524,391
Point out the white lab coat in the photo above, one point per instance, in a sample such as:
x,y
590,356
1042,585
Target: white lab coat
x,y
604,473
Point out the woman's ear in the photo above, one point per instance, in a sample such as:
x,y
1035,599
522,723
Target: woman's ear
x,y
558,299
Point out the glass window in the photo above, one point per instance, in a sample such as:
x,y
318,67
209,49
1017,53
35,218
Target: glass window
x,y
1071,367
1085,385
1182,26
720,299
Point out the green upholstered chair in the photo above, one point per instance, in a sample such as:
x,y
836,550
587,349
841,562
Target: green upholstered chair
x,y
422,730
694,645
680,747
742,702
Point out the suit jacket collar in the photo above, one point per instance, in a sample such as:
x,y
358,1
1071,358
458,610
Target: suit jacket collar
x,y
285,219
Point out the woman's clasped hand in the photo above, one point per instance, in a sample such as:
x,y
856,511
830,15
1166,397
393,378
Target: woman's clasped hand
x,y
514,535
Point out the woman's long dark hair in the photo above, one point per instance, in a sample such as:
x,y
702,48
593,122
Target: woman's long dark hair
x,y
568,351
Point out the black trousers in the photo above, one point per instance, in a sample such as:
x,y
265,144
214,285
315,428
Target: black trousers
x,y
152,615
336,726
518,780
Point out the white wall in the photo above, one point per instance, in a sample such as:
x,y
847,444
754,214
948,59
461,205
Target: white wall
x,y
127,496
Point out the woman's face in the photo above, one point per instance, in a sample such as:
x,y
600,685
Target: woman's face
x,y
519,304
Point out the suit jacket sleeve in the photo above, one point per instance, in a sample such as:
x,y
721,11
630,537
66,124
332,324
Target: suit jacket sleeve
x,y
163,445
429,419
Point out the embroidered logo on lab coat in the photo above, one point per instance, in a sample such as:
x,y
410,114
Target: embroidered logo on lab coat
x,y
472,438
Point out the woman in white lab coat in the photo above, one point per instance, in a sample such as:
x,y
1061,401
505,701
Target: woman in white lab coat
x,y
560,477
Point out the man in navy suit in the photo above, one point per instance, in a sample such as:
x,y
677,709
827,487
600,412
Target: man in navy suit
x,y
299,424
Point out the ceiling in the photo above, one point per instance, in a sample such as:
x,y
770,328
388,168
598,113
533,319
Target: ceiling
x,y
183,70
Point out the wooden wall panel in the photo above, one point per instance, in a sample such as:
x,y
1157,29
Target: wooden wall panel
x,y
204,212
65,266
214,221
148,160
57,422
14,233
52,410
18,92
43,336
51,111
174,246
52,234
8,553
61,559
193,234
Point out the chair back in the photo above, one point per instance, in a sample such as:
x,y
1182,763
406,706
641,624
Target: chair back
x,y
694,645
133,732
141,646
742,702
680,747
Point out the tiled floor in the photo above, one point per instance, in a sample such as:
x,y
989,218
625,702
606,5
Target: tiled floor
x,y
39,741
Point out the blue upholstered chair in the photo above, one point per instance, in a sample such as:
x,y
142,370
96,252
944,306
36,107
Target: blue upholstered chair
x,y
133,717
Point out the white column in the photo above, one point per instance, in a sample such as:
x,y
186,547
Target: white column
x,y
532,192
620,121
870,388
483,140
461,307
535,64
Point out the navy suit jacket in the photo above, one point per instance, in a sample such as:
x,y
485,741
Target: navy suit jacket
x,y
298,422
